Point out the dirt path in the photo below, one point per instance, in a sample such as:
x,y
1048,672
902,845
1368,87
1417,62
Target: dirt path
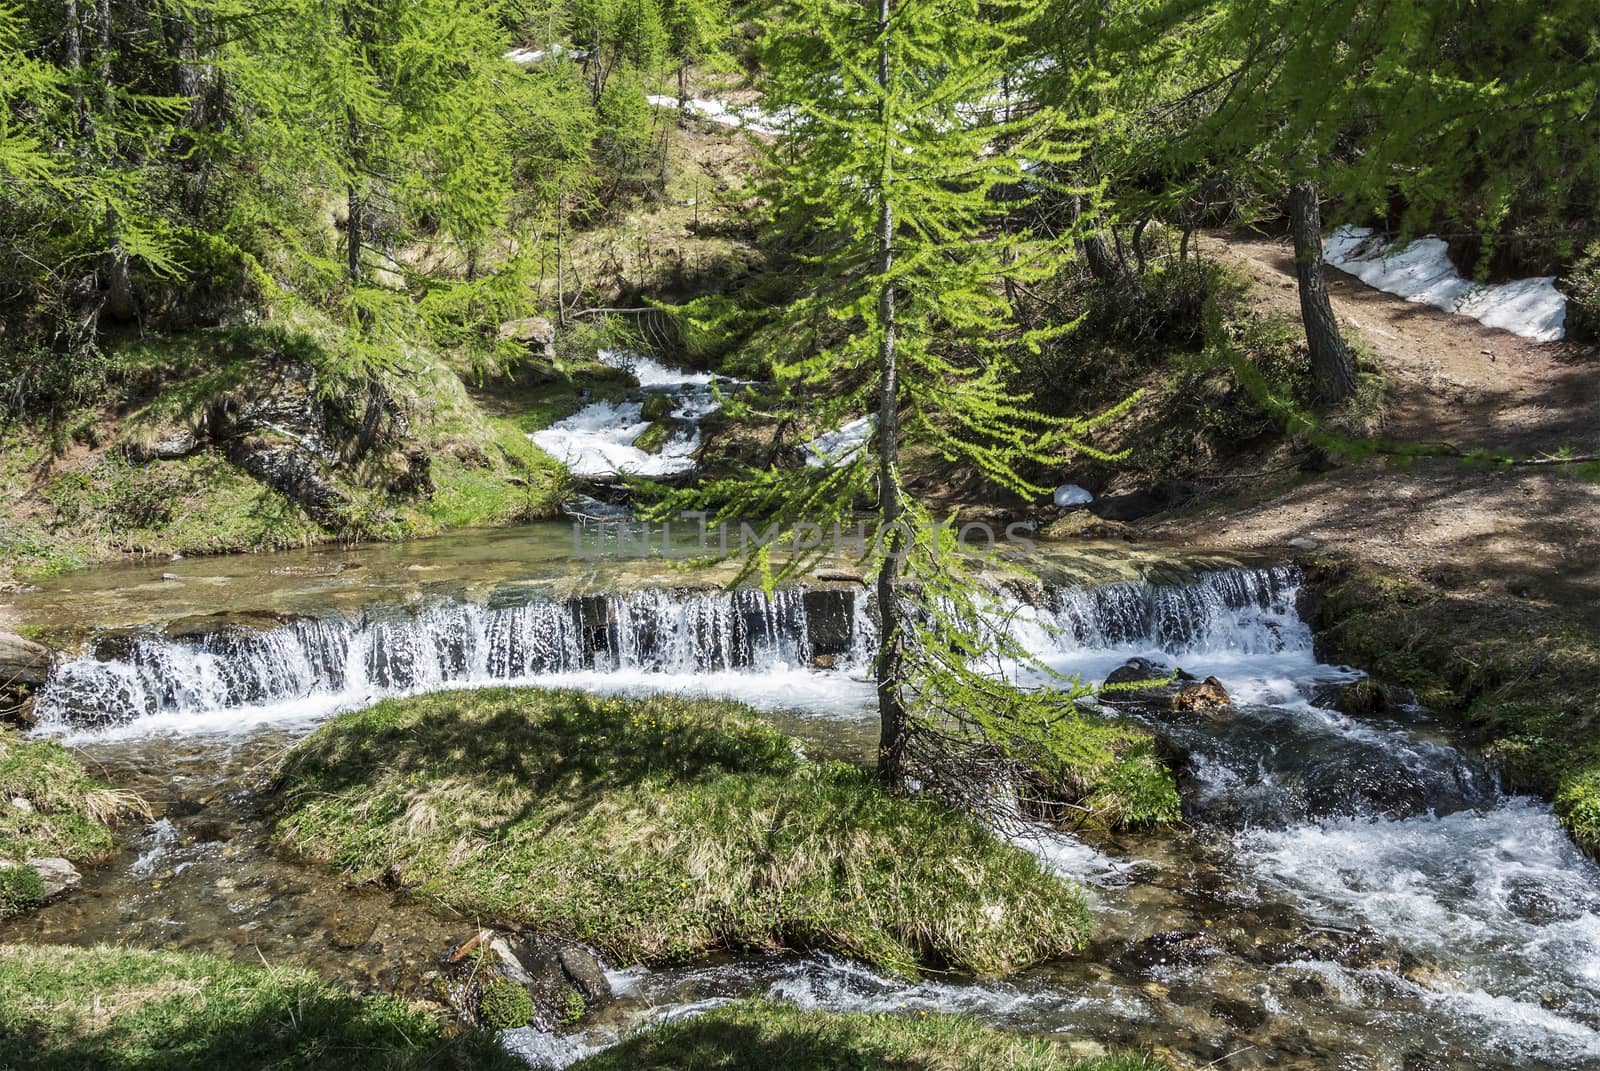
x,y
1531,533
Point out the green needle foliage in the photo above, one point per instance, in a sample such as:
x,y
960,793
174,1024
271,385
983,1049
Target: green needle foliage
x,y
904,182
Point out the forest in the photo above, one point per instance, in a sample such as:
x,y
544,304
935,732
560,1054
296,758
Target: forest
x,y
817,533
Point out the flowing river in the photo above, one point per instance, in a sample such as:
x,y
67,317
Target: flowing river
x,y
1350,893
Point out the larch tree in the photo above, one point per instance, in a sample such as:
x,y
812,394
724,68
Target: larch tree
x,y
888,183
696,30
1442,112
396,105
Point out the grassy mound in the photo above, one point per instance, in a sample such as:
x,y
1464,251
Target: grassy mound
x,y
659,830
66,812
1527,680
762,1034
85,1008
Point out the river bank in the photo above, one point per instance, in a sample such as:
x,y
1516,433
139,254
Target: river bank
x,y
1259,933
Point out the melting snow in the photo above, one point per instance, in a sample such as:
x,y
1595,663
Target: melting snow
x,y
1070,494
1421,272
528,57
841,446
720,112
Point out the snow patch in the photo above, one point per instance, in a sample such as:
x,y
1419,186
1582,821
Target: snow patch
x,y
841,446
529,57
1421,272
720,112
1070,494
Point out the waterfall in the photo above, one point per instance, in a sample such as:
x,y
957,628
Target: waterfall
x,y
650,639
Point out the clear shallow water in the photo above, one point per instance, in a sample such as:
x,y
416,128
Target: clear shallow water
x,y
1347,893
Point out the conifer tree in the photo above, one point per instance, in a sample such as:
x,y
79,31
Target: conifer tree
x,y
696,30
394,104
1425,113
888,181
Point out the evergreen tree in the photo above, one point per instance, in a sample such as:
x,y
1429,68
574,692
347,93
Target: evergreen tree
x,y
889,185
696,30
1425,114
394,103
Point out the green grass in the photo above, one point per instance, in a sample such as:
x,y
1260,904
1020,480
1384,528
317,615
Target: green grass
x,y
199,504
1527,681
760,1034
660,830
68,813
82,1009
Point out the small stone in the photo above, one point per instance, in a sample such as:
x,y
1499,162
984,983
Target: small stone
x,y
22,805
57,874
1304,543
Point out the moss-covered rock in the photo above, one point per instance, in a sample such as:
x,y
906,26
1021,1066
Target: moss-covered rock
x,y
21,889
656,436
659,830
504,1005
49,806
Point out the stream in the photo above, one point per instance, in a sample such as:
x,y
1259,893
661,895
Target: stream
x,y
1345,893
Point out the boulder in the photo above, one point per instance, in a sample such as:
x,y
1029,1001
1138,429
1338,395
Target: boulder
x,y
586,973
24,666
1209,694
535,333
297,472
1159,694
1363,697
58,875
23,661
166,444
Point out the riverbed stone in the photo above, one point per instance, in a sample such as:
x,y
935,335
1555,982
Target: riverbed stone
x,y
1143,669
1209,694
23,661
58,875
586,973
830,620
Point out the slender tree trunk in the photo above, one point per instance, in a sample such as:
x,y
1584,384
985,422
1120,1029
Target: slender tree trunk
x,y
1333,366
891,712
116,274
353,233
1103,264
74,48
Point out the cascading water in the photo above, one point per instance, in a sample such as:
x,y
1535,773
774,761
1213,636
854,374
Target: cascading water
x,y
1353,892
598,441
742,643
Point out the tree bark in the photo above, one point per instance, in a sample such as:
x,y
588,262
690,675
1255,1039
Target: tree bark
x,y
74,58
1104,265
1333,366
892,724
116,272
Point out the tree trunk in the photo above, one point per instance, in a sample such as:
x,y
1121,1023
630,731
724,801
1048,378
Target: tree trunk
x,y
1103,263
353,233
1333,366
116,273
891,713
74,48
